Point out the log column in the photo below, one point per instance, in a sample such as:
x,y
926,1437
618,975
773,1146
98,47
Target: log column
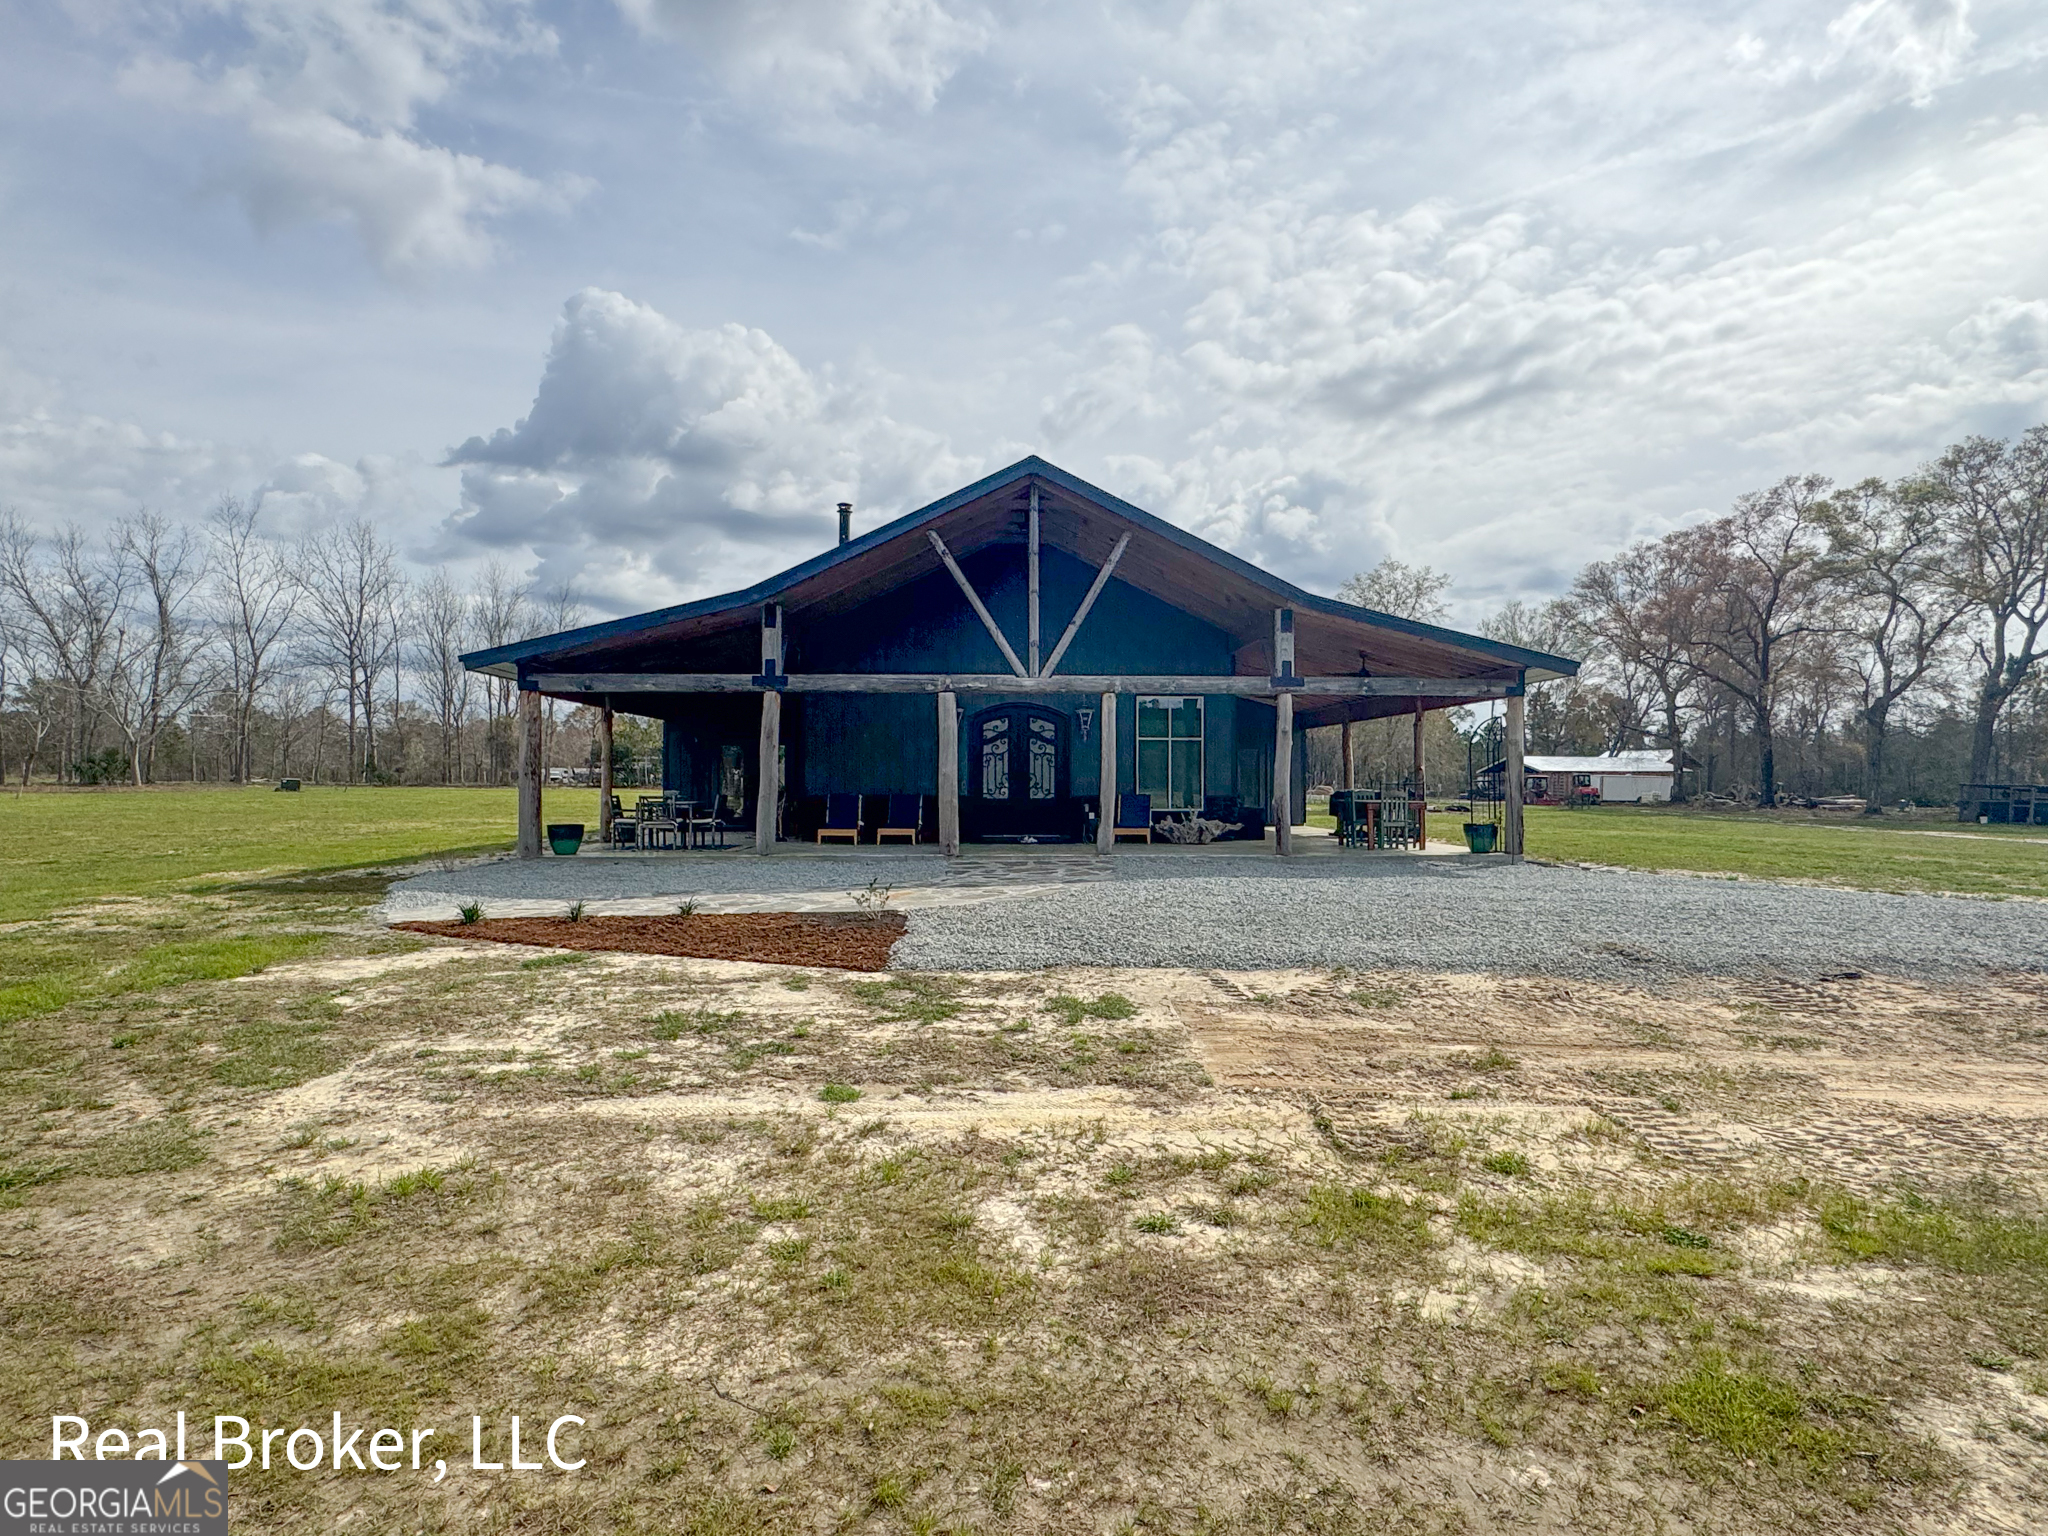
x,y
1105,824
768,792
1283,774
1421,781
1511,829
1347,776
604,774
949,774
529,773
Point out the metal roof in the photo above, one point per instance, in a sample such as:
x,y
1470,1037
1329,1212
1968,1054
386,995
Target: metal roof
x,y
872,549
1613,762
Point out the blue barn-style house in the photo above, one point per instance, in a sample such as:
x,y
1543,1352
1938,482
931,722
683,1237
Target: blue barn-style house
x,y
1019,656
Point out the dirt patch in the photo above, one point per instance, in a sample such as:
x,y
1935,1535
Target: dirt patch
x,y
847,942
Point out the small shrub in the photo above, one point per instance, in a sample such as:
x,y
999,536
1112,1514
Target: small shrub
x,y
470,912
839,1093
575,912
687,907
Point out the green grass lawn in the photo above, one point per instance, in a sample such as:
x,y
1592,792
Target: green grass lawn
x,y
61,848
240,879
1876,855
1872,854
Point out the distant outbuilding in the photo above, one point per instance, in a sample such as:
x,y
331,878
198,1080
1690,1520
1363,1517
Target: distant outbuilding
x,y
1614,778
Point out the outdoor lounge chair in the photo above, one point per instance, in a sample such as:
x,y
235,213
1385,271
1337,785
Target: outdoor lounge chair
x,y
1355,812
842,818
625,830
1133,817
905,818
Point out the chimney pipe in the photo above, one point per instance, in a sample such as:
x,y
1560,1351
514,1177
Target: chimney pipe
x,y
845,521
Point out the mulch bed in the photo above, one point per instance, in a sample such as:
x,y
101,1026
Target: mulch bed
x,y
850,941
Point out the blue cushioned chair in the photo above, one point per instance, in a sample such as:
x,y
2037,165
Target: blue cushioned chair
x,y
1133,817
842,818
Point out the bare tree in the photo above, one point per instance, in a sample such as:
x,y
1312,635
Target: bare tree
x,y
499,614
1997,500
350,578
68,607
1406,591
439,623
561,610
159,664
1755,578
255,595
1888,553
1637,608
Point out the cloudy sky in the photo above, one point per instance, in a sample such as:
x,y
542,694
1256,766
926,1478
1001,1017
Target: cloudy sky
x,y
630,292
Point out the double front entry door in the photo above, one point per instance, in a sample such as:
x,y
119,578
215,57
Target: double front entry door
x,y
1017,774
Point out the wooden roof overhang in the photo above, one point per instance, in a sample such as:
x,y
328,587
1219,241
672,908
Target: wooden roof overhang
x,y
1355,654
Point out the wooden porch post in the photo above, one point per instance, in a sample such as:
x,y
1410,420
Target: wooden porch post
x,y
768,788
1283,774
604,774
1421,792
1031,646
1511,831
530,773
1347,776
1105,824
949,774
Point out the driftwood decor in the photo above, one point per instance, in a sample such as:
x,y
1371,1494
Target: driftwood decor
x,y
1193,829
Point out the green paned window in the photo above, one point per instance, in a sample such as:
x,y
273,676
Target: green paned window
x,y
1170,752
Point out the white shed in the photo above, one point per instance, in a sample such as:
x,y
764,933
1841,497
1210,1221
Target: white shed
x,y
1620,778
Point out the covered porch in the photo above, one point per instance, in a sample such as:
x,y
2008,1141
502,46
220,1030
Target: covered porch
x,y
925,667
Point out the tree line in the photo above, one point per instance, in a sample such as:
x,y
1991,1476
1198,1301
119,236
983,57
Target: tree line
x,y
166,650
1884,639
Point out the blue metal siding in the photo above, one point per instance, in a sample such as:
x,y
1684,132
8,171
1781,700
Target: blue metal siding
x,y
877,743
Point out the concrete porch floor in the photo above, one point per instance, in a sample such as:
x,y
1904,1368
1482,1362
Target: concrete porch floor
x,y
807,877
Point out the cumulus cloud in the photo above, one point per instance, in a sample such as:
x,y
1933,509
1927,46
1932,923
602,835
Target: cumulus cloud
x,y
328,95
810,58
660,463
59,466
1509,376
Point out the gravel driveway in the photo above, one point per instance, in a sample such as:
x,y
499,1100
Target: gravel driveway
x,y
1429,914
1445,915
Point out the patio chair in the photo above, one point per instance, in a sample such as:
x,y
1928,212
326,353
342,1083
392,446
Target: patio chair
x,y
625,830
702,825
842,818
1397,820
1354,810
1133,817
905,818
655,822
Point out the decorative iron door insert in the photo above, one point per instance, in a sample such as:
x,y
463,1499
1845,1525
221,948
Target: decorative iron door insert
x,y
1018,773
